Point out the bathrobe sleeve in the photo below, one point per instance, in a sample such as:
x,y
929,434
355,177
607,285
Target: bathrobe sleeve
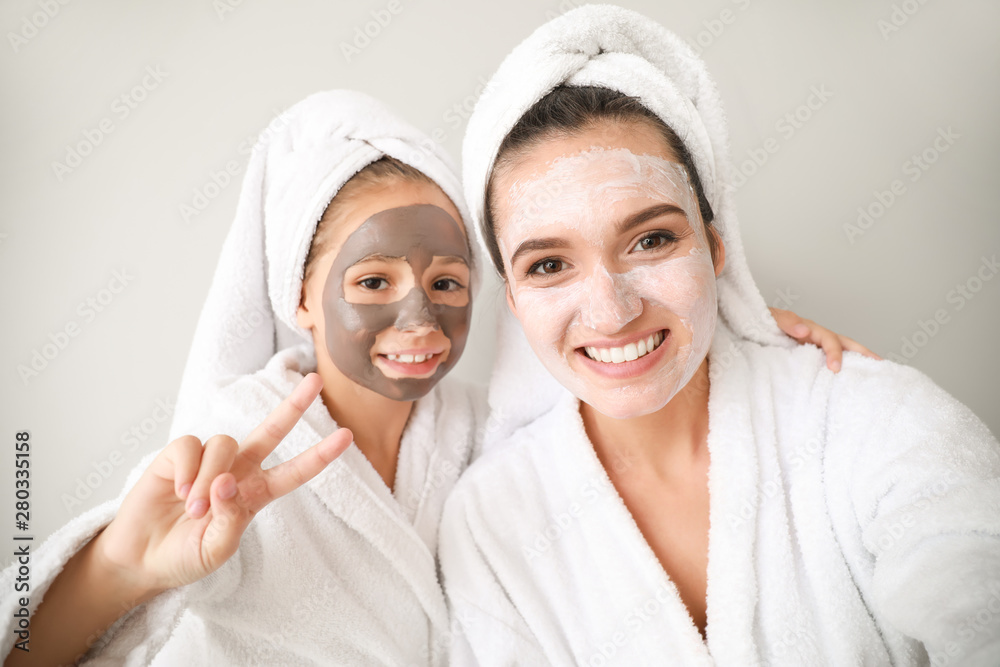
x,y
486,627
139,634
925,489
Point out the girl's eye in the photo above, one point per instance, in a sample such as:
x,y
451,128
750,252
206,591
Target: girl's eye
x,y
446,285
654,241
374,284
547,266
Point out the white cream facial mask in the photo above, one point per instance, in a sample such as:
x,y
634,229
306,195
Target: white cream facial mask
x,y
611,294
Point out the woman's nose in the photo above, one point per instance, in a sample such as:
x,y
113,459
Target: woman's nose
x,y
612,303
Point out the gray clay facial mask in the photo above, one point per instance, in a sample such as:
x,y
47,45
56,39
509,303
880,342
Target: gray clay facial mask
x,y
417,234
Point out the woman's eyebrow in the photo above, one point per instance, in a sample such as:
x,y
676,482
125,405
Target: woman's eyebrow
x,y
536,244
647,214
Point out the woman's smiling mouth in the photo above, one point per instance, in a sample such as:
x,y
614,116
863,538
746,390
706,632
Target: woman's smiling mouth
x,y
627,361
629,352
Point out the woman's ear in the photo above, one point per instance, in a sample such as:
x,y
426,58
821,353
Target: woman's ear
x,y
510,299
720,251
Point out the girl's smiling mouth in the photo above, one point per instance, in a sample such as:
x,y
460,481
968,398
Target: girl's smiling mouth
x,y
411,363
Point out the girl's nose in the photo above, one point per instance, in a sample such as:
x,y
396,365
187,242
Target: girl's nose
x,y
415,313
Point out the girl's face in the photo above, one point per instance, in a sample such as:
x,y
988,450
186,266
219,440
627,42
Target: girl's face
x,y
393,291
608,265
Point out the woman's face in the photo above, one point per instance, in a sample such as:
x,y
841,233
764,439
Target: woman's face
x,y
608,265
393,290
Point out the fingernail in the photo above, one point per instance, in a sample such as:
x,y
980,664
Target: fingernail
x,y
835,367
227,489
198,508
801,330
184,491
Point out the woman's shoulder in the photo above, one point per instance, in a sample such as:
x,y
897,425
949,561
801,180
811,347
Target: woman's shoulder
x,y
890,392
873,410
863,385
869,405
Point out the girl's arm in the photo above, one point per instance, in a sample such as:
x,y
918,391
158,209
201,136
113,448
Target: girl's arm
x,y
181,521
807,331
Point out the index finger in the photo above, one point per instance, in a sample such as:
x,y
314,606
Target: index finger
x,y
272,430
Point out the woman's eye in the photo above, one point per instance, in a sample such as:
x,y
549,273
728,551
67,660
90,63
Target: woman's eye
x,y
446,285
374,283
547,266
653,241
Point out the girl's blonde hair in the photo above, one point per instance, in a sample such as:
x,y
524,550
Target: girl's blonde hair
x,y
383,171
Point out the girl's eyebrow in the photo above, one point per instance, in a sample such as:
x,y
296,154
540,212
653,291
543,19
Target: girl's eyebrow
x,y
537,244
450,259
378,257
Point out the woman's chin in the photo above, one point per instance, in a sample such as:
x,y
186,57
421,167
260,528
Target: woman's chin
x,y
623,408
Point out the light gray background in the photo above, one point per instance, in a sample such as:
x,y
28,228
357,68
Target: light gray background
x,y
230,66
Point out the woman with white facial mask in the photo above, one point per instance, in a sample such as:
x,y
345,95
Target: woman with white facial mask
x,y
672,483
348,257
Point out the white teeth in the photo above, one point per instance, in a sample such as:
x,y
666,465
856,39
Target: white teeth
x,y
409,358
630,352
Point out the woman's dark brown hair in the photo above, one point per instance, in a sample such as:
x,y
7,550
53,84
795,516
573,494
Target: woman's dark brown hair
x,y
566,111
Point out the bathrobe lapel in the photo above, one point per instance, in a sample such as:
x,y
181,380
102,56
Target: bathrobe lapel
x,y
352,490
734,505
755,610
732,576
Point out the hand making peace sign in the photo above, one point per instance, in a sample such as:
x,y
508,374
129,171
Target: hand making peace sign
x,y
185,516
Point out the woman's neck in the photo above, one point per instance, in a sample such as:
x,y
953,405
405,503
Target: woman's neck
x,y
377,422
664,442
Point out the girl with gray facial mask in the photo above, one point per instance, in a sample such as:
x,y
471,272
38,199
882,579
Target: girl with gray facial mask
x,y
348,275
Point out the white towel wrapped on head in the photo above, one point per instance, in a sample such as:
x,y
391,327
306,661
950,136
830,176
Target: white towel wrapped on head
x,y
610,47
301,161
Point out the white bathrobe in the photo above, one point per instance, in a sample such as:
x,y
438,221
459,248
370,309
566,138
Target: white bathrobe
x,y
341,571
855,518
854,521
